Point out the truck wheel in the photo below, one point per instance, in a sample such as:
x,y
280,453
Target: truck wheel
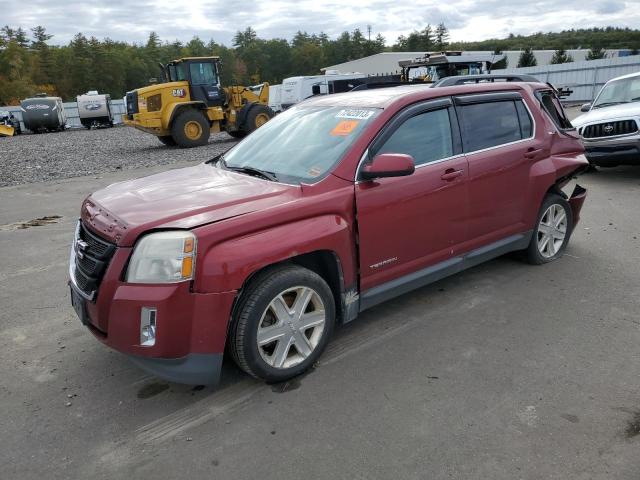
x,y
258,115
282,323
168,141
552,232
190,129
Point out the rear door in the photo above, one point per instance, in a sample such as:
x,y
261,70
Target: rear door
x,y
408,223
499,142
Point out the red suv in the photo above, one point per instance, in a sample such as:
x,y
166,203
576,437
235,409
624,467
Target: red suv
x,y
332,207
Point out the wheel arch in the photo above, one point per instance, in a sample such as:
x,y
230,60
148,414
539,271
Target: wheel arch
x,y
326,263
175,109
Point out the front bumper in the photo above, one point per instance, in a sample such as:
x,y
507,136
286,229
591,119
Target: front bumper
x,y
191,328
611,152
193,369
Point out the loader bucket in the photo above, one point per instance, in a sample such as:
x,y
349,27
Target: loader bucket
x,y
6,131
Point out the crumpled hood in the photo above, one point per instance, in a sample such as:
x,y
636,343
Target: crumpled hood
x,y
622,111
183,198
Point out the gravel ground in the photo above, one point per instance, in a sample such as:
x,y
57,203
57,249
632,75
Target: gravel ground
x,y
36,158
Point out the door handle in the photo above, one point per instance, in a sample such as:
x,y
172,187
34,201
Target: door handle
x,y
532,152
451,174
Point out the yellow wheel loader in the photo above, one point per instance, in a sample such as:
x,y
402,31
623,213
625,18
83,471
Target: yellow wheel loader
x,y
191,104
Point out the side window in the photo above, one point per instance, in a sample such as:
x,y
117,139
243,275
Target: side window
x,y
426,137
526,125
490,124
553,107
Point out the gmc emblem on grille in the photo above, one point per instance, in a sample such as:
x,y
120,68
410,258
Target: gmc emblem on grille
x,y
608,128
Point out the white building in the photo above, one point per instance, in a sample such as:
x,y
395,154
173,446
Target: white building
x,y
387,62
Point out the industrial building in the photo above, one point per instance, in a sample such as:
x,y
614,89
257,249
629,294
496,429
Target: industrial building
x,y
387,62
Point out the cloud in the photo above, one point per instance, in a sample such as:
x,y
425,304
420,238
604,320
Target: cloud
x,y
217,19
609,7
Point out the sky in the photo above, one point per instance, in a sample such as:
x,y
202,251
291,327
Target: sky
x,y
467,20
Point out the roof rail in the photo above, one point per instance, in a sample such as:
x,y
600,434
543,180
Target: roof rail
x,y
464,79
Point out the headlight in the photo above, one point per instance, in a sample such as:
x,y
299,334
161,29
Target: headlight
x,y
163,257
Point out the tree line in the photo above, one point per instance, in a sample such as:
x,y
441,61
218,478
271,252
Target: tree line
x,y
30,63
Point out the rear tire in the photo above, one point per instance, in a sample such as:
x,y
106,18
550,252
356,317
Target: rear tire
x,y
282,323
190,129
257,116
238,134
168,141
554,225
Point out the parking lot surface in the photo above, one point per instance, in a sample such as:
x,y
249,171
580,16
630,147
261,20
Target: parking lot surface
x,y
506,371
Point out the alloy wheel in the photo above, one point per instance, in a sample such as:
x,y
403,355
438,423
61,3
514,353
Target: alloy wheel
x,y
552,230
291,327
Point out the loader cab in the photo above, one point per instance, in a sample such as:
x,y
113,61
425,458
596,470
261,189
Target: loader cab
x,y
203,76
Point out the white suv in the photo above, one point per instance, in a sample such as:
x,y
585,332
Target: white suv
x,y
610,127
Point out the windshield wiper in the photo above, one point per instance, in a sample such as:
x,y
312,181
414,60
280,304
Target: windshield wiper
x,y
249,171
608,104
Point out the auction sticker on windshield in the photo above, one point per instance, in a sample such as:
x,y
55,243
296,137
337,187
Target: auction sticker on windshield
x,y
344,128
355,114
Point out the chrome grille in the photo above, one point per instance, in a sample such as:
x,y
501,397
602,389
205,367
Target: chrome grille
x,y
90,256
610,129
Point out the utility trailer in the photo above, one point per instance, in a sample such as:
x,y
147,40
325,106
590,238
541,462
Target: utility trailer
x,y
94,109
43,114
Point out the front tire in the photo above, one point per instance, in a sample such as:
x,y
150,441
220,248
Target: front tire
x,y
190,129
282,323
257,116
553,229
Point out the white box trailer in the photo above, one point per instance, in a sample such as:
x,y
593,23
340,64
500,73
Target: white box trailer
x,y
95,109
296,89
275,98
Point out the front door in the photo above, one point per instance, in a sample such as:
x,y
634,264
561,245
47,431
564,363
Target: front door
x,y
204,83
406,224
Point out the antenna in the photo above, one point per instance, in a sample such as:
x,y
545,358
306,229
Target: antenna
x,y
369,31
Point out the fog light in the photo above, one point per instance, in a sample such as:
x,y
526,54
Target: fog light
x,y
148,327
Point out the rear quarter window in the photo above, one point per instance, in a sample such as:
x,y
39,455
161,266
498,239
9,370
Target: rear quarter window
x,y
552,106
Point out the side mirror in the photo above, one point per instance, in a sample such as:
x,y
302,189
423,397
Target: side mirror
x,y
585,107
389,165
315,89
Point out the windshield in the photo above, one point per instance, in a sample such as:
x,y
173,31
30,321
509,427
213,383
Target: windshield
x,y
624,90
301,144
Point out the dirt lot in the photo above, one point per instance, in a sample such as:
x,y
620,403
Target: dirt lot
x,y
506,371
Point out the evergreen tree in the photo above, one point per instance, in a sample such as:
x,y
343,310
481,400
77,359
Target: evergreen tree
x,y
561,56
527,58
441,37
596,53
502,63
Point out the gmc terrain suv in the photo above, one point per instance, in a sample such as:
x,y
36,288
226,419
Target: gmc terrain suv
x,y
609,129
338,204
